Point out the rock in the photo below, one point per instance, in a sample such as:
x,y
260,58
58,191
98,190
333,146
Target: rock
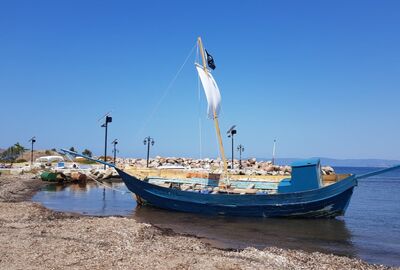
x,y
154,164
288,169
252,161
276,168
270,168
78,176
328,170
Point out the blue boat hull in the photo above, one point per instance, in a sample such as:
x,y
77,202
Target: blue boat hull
x,y
326,202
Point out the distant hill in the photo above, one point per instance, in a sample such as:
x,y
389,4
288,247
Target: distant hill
x,y
343,162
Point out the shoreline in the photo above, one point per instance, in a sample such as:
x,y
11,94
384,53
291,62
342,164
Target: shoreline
x,y
32,235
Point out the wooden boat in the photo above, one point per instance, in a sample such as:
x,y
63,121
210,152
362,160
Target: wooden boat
x,y
302,195
329,201
299,196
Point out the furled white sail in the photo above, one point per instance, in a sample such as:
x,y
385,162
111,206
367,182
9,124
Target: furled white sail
x,y
211,90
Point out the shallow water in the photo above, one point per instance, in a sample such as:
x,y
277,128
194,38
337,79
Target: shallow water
x,y
370,230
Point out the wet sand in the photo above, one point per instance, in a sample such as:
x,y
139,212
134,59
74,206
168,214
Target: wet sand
x,y
33,237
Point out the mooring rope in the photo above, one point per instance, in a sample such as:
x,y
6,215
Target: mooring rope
x,y
94,179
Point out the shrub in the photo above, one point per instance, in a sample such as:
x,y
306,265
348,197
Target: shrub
x,y
108,158
85,161
87,152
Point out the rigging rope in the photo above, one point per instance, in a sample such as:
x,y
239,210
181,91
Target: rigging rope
x,y
98,182
165,93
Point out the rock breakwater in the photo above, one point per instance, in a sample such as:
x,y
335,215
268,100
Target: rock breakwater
x,y
247,167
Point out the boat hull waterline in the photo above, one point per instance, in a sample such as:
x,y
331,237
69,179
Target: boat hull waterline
x,y
325,202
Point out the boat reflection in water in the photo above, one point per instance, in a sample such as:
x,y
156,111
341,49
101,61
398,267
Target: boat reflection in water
x,y
324,235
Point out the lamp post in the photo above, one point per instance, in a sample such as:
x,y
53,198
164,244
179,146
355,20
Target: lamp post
x,y
108,119
240,148
147,141
232,131
273,153
115,142
32,141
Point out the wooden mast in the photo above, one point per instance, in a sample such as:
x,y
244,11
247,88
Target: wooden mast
x,y
221,147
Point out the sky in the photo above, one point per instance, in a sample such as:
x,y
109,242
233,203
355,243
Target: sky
x,y
320,77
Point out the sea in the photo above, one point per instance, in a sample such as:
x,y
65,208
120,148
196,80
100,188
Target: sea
x,y
370,229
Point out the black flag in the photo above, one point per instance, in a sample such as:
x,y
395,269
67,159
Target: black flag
x,y
210,61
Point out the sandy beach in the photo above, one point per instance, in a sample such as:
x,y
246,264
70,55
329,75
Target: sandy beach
x,y
34,237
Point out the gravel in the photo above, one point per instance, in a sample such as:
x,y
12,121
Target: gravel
x,y
33,237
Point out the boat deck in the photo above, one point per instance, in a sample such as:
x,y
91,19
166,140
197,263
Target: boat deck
x,y
192,179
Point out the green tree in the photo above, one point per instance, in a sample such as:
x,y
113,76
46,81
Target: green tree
x,y
87,152
12,152
19,148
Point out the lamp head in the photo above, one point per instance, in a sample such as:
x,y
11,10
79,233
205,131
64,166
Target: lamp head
x,y
230,130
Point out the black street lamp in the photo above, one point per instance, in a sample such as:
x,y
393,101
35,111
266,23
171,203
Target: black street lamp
x,y
115,142
148,140
32,141
240,148
232,131
105,125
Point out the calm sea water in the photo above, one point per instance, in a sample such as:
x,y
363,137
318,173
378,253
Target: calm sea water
x,y
370,230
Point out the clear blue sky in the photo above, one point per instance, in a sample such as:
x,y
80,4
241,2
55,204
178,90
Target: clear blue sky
x,y
323,77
